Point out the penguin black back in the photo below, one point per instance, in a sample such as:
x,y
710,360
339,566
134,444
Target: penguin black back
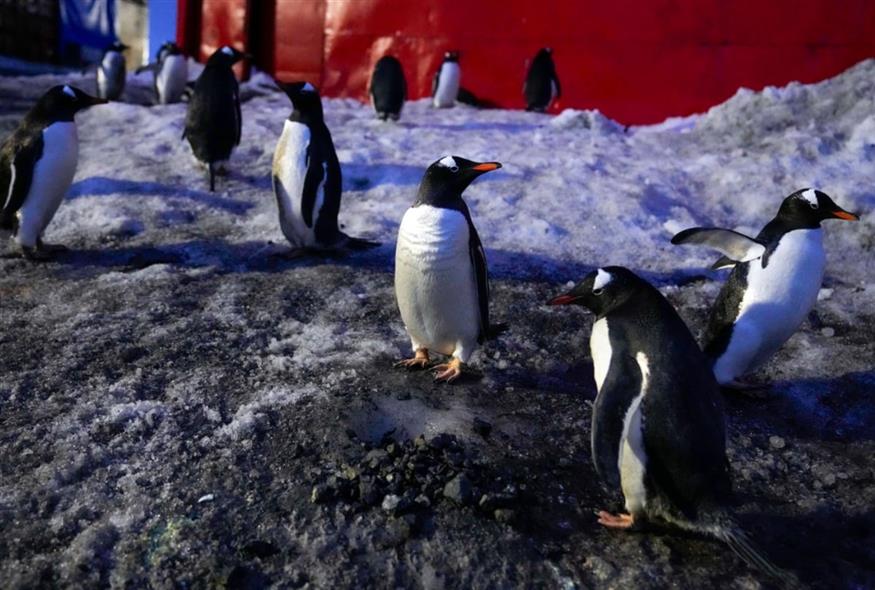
x,y
542,83
388,88
213,122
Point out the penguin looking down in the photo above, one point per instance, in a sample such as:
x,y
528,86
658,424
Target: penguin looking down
x,y
170,72
307,180
541,87
111,72
445,86
388,88
213,122
37,165
658,430
441,281
773,286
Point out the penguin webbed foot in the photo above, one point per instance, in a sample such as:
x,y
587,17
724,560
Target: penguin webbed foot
x,y
419,361
450,371
746,388
617,521
35,254
51,248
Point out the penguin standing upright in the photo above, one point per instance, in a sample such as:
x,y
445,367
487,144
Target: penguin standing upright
x,y
542,84
441,281
445,86
111,72
213,122
773,285
170,72
658,430
388,88
306,176
37,165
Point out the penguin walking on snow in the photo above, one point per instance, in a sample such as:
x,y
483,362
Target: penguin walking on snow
x,y
441,281
773,285
170,72
307,180
658,430
445,86
213,123
111,72
388,88
37,165
542,84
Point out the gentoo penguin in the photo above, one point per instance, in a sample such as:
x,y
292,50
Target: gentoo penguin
x,y
542,84
213,122
170,72
388,88
658,430
441,281
445,86
111,72
307,180
773,285
37,164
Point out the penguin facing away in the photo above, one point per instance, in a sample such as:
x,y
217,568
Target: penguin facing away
x,y
37,165
213,122
541,87
388,88
307,180
170,72
441,281
111,72
773,286
445,86
658,430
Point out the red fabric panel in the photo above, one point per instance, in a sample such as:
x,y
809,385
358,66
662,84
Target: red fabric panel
x,y
224,22
299,32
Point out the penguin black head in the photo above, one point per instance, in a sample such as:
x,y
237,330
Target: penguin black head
x,y
305,98
61,102
225,55
168,48
445,180
544,53
451,56
117,46
807,207
603,290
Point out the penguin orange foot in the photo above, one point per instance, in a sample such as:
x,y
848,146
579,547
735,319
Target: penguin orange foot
x,y
419,361
615,521
448,372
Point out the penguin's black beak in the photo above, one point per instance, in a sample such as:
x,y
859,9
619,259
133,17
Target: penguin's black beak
x,y
846,215
566,299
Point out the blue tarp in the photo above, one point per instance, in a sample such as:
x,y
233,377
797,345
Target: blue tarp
x,y
89,23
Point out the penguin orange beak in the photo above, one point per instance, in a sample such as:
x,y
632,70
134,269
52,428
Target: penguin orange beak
x,y
562,300
847,216
486,167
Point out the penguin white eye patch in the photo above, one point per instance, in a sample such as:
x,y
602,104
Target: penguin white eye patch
x,y
810,196
69,92
602,279
227,50
449,162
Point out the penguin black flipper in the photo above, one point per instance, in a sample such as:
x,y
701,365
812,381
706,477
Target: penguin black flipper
x,y
735,246
239,115
481,272
312,181
18,159
622,384
434,82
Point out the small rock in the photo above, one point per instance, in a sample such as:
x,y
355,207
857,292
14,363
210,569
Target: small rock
x,y
458,489
504,515
321,493
441,441
206,498
390,502
482,427
828,332
776,442
260,549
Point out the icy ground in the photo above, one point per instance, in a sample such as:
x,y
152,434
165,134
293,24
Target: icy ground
x,y
173,389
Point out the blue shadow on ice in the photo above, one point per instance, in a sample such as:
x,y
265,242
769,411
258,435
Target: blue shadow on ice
x,y
101,185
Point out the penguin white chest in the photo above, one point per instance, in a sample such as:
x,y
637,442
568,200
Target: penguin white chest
x,y
290,163
777,300
52,176
171,78
435,283
110,74
632,459
448,85
600,349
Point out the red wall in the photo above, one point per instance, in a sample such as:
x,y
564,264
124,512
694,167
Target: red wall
x,y
637,61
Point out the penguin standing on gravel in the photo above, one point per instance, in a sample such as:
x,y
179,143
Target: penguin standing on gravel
x,y
658,430
773,286
388,88
542,84
307,180
170,72
445,86
37,165
441,281
213,123
111,72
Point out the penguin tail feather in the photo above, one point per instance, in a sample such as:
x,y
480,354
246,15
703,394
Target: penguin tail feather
x,y
740,544
358,244
212,177
496,330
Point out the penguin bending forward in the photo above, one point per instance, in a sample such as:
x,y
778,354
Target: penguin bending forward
x,y
441,281
773,285
213,123
307,179
111,72
658,430
170,72
388,88
445,86
37,165
541,87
